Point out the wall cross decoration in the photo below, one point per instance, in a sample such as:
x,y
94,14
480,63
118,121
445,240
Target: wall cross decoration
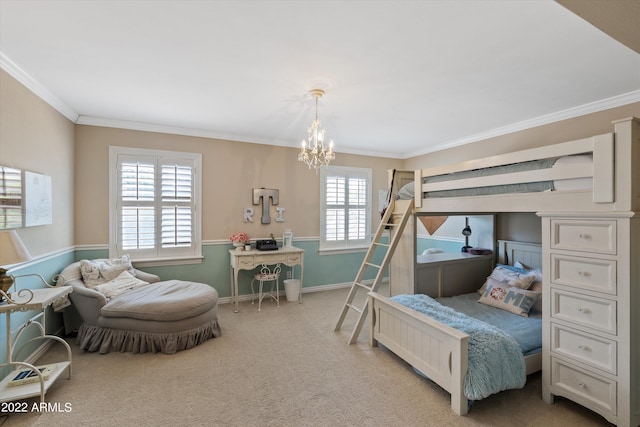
x,y
264,195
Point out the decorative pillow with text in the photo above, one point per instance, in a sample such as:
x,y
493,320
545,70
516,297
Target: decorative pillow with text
x,y
509,298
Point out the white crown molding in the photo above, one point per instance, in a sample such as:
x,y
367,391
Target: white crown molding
x,y
201,133
570,113
30,83
34,86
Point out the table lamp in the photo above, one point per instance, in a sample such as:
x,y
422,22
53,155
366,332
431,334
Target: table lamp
x,y
466,232
12,251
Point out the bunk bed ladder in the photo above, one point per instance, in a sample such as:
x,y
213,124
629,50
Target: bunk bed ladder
x,y
387,221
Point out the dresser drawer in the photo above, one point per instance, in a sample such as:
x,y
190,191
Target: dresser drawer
x,y
585,236
294,258
587,273
596,313
592,350
270,258
584,387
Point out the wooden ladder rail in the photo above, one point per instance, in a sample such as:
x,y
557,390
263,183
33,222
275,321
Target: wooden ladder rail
x,y
397,227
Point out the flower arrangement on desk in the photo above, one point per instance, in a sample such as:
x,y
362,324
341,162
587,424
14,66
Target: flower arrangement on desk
x,y
239,239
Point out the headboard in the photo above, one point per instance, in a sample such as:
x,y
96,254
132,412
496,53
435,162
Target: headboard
x,y
529,254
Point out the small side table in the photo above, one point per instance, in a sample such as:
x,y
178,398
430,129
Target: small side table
x,y
42,298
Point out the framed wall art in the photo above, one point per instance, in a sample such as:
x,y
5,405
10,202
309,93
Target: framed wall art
x,y
38,204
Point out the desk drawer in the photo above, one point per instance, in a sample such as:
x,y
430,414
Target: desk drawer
x,y
584,236
587,273
584,386
270,258
294,258
595,351
596,313
245,262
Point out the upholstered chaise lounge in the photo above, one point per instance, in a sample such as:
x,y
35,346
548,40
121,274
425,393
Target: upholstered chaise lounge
x,y
128,310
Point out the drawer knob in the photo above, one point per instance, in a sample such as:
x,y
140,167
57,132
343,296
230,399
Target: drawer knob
x,y
584,236
584,273
581,384
584,310
584,347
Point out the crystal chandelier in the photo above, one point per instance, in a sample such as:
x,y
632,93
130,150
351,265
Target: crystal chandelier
x,y
317,154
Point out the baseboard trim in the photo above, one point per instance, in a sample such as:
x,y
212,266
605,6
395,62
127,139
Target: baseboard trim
x,y
43,348
319,288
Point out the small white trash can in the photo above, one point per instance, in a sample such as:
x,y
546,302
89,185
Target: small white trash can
x,y
292,289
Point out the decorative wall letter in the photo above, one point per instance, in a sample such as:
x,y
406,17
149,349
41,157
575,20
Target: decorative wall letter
x,y
265,194
248,214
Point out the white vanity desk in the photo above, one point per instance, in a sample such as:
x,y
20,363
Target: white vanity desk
x,y
248,260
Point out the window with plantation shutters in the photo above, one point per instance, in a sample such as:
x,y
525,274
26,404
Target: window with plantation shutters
x,y
345,219
155,204
10,198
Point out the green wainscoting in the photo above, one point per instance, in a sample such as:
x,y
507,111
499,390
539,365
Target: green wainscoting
x,y
319,270
423,243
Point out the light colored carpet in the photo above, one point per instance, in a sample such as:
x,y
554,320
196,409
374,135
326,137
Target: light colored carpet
x,y
278,367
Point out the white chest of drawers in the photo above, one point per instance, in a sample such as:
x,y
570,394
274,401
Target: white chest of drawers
x,y
591,320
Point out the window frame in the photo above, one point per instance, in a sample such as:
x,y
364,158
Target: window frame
x,y
345,245
158,255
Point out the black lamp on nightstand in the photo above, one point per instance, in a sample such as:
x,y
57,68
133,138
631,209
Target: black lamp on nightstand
x,y
466,232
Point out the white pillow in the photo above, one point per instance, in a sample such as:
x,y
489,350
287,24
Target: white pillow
x,y
98,271
124,282
406,192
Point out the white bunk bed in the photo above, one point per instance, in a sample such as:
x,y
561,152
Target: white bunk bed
x,y
599,222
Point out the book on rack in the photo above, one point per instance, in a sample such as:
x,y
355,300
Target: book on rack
x,y
28,376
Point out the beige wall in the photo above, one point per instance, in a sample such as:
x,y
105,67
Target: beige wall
x,y
565,130
230,171
35,137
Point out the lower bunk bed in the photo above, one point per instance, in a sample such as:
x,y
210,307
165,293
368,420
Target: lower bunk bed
x,y
472,345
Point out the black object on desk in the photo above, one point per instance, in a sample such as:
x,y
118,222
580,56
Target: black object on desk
x,y
267,245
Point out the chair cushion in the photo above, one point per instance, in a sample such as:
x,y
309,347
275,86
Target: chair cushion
x,y
163,301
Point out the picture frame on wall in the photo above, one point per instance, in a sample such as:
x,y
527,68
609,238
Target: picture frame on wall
x,y
37,199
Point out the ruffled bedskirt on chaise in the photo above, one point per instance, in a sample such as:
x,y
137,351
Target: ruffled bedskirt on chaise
x,y
104,340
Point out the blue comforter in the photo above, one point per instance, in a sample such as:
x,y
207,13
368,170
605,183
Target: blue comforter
x,y
496,362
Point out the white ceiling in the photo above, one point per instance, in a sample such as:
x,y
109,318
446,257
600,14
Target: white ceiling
x,y
402,78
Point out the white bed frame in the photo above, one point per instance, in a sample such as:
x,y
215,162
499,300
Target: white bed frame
x,y
435,349
611,172
440,351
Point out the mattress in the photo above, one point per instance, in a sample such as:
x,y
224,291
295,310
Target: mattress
x,y
527,331
407,191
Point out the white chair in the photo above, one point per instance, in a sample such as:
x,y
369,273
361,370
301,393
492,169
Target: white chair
x,y
266,275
